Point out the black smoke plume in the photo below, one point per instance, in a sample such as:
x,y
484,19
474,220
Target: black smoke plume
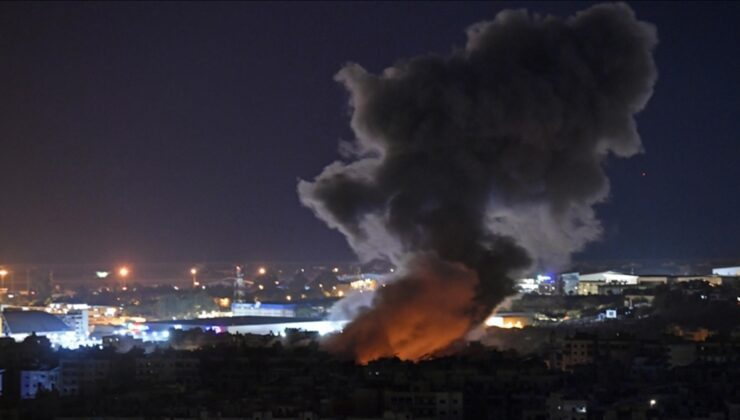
x,y
470,166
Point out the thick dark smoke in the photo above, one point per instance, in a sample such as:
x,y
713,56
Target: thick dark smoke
x,y
469,167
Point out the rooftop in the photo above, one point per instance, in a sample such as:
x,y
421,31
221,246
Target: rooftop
x,y
26,322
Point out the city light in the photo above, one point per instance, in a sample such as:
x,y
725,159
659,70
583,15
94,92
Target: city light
x,y
262,271
124,271
653,403
288,298
194,273
335,270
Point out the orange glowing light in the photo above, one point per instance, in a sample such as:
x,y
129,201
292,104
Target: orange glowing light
x,y
436,315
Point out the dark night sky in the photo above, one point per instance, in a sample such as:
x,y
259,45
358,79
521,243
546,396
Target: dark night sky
x,y
177,132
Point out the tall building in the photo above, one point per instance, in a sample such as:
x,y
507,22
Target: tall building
x,y
78,320
239,287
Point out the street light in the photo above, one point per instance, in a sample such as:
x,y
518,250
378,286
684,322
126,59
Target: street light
x,y
3,273
194,273
123,273
262,271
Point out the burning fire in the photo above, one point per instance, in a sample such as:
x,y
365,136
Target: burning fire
x,y
413,317
501,322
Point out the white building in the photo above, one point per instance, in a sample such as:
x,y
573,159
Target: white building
x,y
78,320
263,309
542,284
727,271
19,324
588,284
33,381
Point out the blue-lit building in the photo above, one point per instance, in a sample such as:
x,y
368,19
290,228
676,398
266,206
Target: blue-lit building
x,y
19,324
34,381
244,325
285,310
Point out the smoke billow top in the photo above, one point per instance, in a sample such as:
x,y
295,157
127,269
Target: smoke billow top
x,y
467,168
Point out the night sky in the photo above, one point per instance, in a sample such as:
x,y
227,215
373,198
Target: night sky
x,y
177,132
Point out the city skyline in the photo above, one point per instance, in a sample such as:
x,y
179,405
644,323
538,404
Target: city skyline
x,y
376,210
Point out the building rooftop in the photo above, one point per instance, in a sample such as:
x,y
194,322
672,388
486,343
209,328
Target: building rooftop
x,y
231,321
26,322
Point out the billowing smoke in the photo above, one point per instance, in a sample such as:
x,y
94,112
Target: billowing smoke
x,y
469,167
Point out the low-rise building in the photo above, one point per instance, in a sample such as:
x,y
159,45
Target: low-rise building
x,y
19,324
34,381
727,271
714,280
264,309
589,284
